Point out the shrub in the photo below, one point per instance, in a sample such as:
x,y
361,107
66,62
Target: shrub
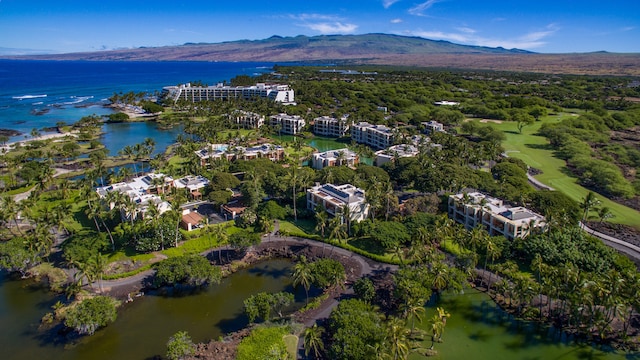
x,y
92,314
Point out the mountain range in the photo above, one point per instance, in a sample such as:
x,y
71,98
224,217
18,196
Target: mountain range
x,y
378,49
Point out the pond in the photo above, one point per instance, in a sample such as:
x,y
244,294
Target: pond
x,y
480,330
144,326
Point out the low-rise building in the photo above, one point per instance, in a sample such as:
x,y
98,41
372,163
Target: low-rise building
x,y
214,152
141,192
335,198
476,209
338,157
193,184
396,152
330,126
287,124
376,136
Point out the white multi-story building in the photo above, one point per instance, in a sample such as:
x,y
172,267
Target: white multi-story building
x,y
334,198
338,157
142,192
332,127
432,127
247,119
476,209
276,92
287,124
376,136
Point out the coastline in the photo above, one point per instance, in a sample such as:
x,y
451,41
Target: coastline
x,y
57,135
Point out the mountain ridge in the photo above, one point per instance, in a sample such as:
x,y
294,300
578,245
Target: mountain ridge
x,y
374,49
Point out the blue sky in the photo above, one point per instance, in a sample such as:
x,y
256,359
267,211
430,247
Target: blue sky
x,y
542,26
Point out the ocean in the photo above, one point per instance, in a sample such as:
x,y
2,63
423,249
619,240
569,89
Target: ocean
x,y
39,94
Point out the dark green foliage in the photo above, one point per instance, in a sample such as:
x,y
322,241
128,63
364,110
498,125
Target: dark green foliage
x,y
83,245
91,314
364,289
223,181
271,210
574,246
118,117
261,305
390,234
242,240
151,107
354,330
327,273
16,256
180,346
192,270
557,204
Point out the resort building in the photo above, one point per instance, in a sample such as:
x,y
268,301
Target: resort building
x,y
338,157
247,119
141,192
268,151
476,209
193,184
334,198
332,127
214,152
432,127
395,152
376,136
185,92
287,124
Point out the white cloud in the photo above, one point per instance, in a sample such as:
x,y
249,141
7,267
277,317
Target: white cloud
x,y
419,9
396,21
325,24
469,36
387,3
332,28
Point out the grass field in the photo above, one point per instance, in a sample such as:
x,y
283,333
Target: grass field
x,y
536,152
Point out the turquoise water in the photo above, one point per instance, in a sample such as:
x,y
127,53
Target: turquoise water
x,y
75,89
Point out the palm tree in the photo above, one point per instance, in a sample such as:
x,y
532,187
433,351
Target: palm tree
x,y
97,265
303,275
588,202
322,221
605,213
313,341
439,321
413,308
398,339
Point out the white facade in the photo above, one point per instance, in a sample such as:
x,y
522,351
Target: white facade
x,y
139,191
288,124
186,92
432,126
395,152
376,136
333,198
474,209
247,119
332,127
334,158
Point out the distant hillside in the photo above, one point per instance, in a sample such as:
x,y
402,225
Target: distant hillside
x,y
383,49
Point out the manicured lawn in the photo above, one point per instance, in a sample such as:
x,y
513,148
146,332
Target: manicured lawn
x,y
302,228
535,151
